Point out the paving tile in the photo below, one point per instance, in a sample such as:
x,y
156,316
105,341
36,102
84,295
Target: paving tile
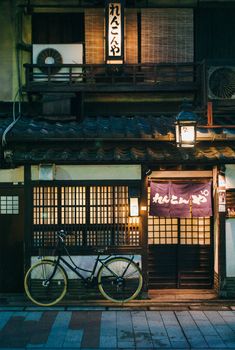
x,y
229,318
214,341
126,345
224,331
125,332
4,318
42,328
226,313
141,329
191,331
59,330
20,313
89,322
73,339
108,330
205,326
157,329
33,316
175,334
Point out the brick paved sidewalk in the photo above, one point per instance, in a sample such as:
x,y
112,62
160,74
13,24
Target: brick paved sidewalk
x,y
126,329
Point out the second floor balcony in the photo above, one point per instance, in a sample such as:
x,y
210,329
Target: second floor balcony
x,y
114,78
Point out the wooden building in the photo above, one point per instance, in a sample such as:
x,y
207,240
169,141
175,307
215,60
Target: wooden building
x,y
87,121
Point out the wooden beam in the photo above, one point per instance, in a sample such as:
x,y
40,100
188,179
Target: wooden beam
x,y
180,174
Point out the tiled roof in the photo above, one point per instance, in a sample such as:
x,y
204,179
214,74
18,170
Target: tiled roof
x,y
136,127
122,154
111,139
93,127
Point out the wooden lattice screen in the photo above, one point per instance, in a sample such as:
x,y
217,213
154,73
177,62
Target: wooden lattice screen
x,y
94,36
95,215
167,35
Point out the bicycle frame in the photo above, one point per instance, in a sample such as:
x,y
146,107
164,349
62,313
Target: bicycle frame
x,y
61,247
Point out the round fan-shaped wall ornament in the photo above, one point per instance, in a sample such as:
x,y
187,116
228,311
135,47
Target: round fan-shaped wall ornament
x,y
49,56
222,82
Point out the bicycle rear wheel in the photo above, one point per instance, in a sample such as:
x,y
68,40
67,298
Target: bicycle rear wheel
x,y
120,279
45,284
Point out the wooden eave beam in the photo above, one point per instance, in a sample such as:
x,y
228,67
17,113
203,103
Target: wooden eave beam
x,y
181,174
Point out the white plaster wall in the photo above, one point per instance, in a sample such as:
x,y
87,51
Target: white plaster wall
x,y
230,176
85,262
12,33
230,225
12,175
7,50
230,247
93,172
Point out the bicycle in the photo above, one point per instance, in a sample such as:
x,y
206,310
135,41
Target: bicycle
x,y
119,279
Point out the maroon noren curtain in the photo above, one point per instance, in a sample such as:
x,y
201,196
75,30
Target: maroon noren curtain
x,y
173,200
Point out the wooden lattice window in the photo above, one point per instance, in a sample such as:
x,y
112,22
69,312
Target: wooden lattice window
x,y
162,230
9,204
96,215
195,231
73,205
45,205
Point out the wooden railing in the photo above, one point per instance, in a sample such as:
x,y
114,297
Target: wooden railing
x,y
127,76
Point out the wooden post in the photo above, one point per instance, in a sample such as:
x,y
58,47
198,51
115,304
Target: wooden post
x,y
209,113
144,229
27,215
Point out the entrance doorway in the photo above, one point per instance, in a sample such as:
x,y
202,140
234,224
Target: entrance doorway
x,y
11,239
180,252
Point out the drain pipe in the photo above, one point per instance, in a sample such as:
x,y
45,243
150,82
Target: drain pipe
x,y
15,119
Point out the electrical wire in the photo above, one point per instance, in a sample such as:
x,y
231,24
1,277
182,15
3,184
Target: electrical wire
x,y
19,91
15,119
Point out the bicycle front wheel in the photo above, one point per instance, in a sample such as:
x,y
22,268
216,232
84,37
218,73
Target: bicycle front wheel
x,y
45,283
120,279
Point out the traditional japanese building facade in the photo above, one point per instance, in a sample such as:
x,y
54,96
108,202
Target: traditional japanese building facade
x,y
90,92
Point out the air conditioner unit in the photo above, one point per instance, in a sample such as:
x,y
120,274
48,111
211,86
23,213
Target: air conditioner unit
x,y
57,54
221,82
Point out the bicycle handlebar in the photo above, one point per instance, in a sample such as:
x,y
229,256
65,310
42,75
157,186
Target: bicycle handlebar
x,y
62,233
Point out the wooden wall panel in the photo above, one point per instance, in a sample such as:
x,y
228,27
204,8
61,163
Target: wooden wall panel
x,y
94,36
214,33
131,37
167,35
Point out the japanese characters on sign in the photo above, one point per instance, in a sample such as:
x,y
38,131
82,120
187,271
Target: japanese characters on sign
x,y
173,200
114,31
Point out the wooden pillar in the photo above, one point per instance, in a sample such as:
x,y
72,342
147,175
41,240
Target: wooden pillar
x,y
220,218
27,215
80,106
144,228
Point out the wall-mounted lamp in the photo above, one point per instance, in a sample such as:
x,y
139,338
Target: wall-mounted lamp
x,y
134,206
134,194
186,126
